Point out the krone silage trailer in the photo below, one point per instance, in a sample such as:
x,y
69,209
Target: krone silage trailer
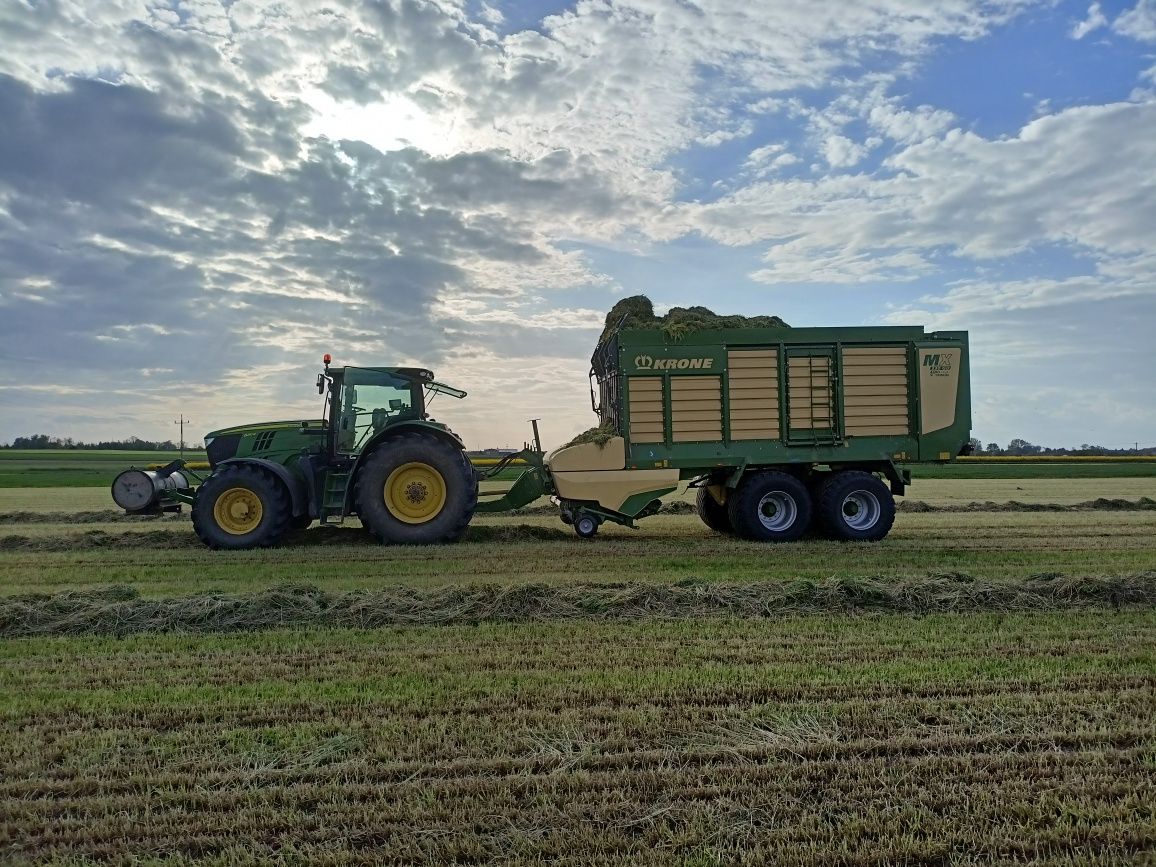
x,y
781,430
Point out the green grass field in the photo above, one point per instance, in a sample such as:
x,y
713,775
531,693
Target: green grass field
x,y
625,732
1041,470
805,741
55,468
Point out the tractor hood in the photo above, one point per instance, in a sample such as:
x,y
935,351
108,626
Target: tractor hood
x,y
257,427
271,439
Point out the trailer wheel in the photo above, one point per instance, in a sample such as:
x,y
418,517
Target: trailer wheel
x,y
713,513
417,489
770,506
855,506
241,506
586,526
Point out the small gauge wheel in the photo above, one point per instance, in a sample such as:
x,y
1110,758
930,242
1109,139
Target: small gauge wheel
x,y
586,526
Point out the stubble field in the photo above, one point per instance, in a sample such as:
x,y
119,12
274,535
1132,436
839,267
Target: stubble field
x,y
976,689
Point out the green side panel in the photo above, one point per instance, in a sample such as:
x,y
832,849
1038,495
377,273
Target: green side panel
x,y
527,488
638,502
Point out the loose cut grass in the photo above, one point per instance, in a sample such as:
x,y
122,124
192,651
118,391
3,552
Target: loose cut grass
x,y
799,741
121,611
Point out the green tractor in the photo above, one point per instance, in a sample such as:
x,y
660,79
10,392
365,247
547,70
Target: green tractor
x,y
377,455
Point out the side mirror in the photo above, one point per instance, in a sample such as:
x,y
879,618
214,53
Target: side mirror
x,y
321,383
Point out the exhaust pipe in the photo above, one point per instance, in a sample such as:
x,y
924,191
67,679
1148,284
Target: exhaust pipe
x,y
142,490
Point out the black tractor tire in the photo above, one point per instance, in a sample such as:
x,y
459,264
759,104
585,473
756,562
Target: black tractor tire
x,y
713,513
855,506
431,462
770,506
241,506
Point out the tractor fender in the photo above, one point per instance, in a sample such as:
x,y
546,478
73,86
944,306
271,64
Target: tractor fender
x,y
388,433
293,484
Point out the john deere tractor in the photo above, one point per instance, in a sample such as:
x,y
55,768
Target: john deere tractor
x,y
377,455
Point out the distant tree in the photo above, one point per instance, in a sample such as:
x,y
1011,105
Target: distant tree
x,y
993,449
1020,447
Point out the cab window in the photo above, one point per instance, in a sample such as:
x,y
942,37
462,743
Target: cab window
x,y
369,400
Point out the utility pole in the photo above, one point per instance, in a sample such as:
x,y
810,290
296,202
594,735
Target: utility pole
x,y
182,422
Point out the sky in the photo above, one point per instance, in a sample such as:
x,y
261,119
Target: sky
x,y
199,198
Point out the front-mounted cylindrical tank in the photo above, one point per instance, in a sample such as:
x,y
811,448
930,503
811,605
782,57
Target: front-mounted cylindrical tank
x,y
142,490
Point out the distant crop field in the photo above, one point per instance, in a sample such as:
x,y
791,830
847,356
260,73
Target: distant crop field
x,y
53,468
1036,470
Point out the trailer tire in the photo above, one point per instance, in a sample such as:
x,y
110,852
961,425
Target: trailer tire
x,y
241,506
855,506
416,489
586,526
713,513
770,506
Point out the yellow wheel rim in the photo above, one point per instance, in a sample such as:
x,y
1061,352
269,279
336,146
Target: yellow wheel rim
x,y
415,493
238,511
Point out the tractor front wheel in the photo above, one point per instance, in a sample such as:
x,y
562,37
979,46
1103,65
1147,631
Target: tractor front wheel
x,y
241,506
417,489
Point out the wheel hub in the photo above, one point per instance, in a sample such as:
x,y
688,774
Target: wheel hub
x,y
778,511
861,510
415,493
238,511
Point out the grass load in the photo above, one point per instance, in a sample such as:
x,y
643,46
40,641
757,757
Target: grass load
x,y
637,311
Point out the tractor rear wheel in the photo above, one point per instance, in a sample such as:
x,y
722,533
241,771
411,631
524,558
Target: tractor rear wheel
x,y
713,513
770,506
855,506
241,506
417,489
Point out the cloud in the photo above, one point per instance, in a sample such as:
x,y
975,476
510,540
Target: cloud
x,y
1094,21
977,198
1139,22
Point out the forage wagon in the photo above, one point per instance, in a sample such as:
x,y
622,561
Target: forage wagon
x,y
781,431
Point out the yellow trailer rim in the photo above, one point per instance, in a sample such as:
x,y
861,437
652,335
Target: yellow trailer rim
x,y
415,493
238,511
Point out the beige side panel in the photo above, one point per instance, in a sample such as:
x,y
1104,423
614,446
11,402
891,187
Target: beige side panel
x,y
754,393
646,413
938,388
875,391
612,488
695,408
590,456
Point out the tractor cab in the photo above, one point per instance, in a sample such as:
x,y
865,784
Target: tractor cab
x,y
364,401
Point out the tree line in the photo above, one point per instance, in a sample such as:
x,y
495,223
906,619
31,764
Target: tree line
x,y
132,444
1022,448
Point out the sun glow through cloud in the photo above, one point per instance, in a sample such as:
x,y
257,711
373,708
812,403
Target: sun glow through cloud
x,y
393,123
